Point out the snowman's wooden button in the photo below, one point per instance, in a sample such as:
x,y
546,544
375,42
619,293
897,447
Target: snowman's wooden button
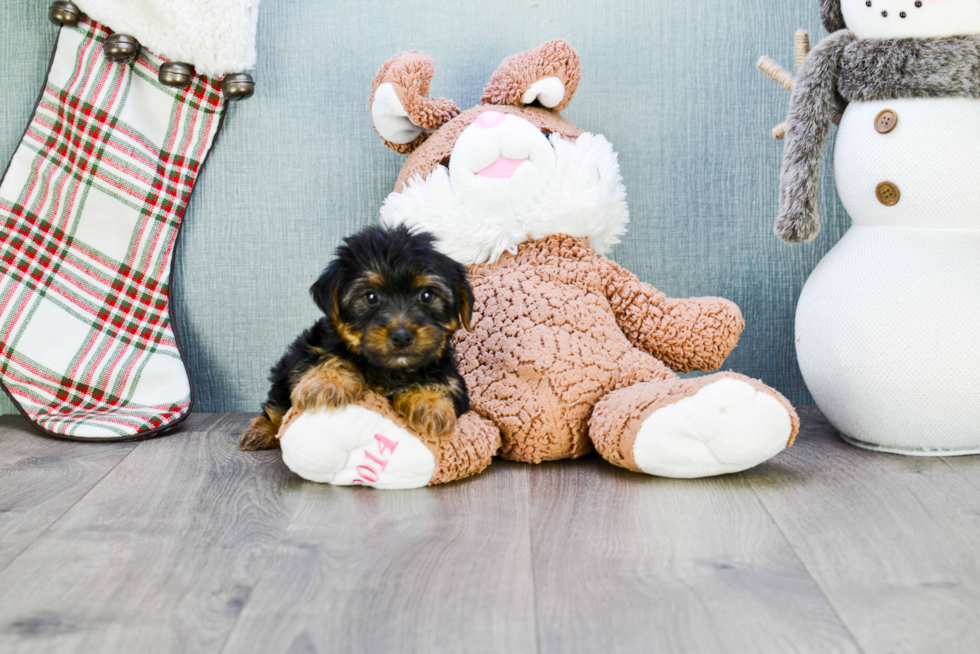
x,y
888,194
886,121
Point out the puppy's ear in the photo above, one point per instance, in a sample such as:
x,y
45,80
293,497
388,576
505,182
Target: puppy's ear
x,y
326,290
465,300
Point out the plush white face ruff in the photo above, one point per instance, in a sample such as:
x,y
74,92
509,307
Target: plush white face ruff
x,y
507,183
883,19
216,36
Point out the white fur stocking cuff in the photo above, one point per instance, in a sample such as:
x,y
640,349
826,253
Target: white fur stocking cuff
x,y
216,36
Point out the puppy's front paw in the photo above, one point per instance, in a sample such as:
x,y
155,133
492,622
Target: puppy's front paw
x,y
435,419
427,411
260,435
311,396
329,385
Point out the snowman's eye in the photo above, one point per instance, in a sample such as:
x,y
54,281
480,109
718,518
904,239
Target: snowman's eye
x,y
868,3
884,14
918,3
903,14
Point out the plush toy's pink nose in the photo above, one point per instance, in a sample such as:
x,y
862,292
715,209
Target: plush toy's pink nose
x,y
489,119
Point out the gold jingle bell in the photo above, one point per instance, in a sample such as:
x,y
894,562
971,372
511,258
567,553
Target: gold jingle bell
x,y
239,86
121,47
176,74
64,13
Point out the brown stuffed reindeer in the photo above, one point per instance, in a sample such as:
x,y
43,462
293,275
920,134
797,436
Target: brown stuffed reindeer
x,y
569,352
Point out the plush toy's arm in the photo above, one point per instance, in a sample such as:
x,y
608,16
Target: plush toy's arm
x,y
810,114
692,334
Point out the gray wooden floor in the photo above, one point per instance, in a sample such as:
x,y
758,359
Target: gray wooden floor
x,y
183,544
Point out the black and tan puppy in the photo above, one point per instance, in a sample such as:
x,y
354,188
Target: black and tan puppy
x,y
391,302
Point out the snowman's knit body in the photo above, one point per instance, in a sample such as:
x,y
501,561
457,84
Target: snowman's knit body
x,y
888,324
903,283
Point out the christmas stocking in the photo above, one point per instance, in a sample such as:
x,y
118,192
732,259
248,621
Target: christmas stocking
x,y
90,209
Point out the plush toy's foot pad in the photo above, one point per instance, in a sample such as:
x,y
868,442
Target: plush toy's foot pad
x,y
696,427
355,446
727,426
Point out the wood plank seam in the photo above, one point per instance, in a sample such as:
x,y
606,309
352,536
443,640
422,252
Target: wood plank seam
x,y
212,445
958,473
69,508
799,558
530,547
270,557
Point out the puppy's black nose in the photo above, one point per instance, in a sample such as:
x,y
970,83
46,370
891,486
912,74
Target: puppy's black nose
x,y
402,337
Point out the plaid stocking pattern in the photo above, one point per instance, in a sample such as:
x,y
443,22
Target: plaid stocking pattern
x,y
90,209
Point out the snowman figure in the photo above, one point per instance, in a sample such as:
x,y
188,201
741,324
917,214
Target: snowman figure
x,y
888,325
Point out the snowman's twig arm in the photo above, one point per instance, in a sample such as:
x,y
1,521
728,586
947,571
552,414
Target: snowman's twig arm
x,y
811,112
690,334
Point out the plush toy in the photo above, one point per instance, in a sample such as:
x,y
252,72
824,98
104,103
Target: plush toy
x,y
91,206
569,352
888,325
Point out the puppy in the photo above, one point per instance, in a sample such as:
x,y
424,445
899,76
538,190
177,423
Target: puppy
x,y
391,302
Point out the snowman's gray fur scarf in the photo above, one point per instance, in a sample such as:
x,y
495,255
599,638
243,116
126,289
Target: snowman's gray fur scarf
x,y
811,111
833,17
842,69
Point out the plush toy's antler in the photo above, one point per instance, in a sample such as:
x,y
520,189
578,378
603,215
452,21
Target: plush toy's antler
x,y
813,107
784,78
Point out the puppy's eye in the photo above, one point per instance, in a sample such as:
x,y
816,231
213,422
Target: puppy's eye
x,y
427,296
371,297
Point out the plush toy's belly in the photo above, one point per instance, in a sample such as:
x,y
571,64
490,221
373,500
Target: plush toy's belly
x,y
541,354
925,149
888,338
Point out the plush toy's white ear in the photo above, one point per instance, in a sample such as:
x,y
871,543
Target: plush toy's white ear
x,y
390,119
548,92
401,109
547,75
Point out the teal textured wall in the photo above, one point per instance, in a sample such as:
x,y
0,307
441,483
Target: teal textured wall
x,y
671,84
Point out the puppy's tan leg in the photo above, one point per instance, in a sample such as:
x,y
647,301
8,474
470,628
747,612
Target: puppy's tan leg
x,y
427,409
261,433
328,385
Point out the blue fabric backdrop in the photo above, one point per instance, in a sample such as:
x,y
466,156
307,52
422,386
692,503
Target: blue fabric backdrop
x,y
672,85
